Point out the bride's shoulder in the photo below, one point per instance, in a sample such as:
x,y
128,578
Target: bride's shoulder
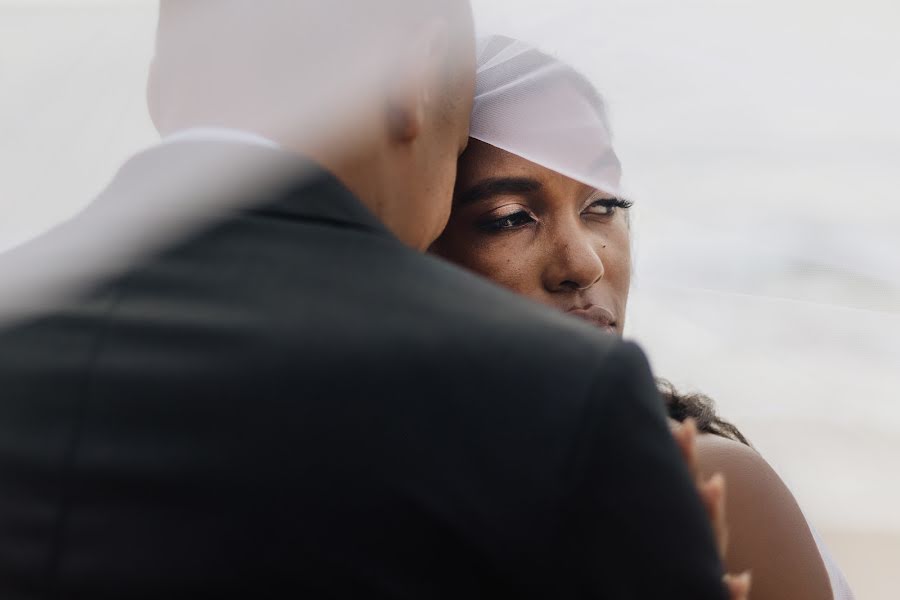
x,y
769,533
756,494
716,453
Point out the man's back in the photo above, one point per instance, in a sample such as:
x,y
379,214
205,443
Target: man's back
x,y
293,398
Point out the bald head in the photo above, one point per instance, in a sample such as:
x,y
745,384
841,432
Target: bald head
x,y
266,63
378,92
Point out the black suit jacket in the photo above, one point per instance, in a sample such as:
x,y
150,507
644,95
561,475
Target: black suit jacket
x,y
291,399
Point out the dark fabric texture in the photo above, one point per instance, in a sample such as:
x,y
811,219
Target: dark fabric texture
x,y
289,399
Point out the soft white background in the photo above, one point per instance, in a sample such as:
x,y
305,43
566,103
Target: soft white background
x,y
761,142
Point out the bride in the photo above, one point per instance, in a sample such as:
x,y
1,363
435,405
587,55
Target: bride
x,y
538,209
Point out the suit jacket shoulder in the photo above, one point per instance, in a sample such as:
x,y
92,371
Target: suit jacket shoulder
x,y
288,395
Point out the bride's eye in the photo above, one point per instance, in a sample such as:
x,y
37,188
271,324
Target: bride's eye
x,y
506,222
606,207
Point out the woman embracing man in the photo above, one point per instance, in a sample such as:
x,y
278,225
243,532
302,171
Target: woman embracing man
x,y
538,209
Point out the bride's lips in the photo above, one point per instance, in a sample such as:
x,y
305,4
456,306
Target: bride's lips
x,y
597,316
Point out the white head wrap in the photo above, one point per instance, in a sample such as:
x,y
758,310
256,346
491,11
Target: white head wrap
x,y
534,106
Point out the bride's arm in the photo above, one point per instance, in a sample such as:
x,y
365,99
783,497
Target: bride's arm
x,y
768,533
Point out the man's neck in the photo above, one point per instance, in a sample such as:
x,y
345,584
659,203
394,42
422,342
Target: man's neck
x,y
364,172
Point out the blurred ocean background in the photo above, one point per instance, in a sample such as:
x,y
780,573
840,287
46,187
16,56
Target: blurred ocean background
x,y
761,144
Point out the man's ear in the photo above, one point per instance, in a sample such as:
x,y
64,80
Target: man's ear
x,y
406,114
415,95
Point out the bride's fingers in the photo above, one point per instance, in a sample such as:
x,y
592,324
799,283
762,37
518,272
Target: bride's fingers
x,y
712,490
690,428
713,495
738,585
685,435
673,424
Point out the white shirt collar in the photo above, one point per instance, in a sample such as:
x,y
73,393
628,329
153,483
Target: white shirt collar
x,y
218,134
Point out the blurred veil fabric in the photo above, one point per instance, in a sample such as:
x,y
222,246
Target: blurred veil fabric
x,y
761,140
541,109
259,81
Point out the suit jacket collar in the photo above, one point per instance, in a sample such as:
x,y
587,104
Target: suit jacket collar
x,y
319,196
164,195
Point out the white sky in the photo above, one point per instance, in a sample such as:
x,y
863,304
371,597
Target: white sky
x,y
761,143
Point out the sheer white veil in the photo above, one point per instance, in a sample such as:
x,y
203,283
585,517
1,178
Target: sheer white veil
x,y
537,107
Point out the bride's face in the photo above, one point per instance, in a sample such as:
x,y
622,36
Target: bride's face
x,y
541,234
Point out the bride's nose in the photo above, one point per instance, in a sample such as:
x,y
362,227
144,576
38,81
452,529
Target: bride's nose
x,y
574,264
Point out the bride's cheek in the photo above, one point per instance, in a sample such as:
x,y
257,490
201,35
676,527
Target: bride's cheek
x,y
497,255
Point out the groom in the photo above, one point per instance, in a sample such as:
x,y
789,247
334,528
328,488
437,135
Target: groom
x,y
284,393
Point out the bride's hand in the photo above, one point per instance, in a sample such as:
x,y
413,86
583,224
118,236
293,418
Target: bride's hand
x,y
712,492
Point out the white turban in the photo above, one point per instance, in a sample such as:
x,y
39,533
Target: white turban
x,y
534,106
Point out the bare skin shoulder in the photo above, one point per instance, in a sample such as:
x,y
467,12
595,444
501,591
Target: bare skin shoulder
x,y
768,533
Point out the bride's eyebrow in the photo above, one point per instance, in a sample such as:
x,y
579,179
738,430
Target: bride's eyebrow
x,y
498,186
